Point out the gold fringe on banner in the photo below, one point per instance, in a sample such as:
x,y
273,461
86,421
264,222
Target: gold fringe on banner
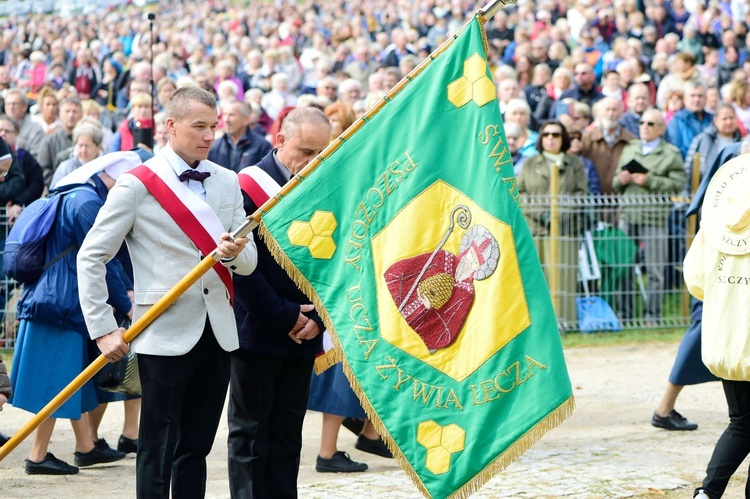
x,y
513,452
510,454
304,285
326,361
485,42
516,450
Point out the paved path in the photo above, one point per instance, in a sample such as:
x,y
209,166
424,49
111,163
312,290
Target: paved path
x,y
606,449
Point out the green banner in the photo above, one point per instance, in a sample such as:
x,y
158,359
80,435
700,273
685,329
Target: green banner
x,y
409,239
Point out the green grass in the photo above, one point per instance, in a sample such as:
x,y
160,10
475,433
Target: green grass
x,y
628,337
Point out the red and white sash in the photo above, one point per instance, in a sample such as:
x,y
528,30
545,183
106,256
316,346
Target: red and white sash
x,y
258,184
328,357
261,187
193,215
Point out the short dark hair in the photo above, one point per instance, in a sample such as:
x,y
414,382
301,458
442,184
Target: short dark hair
x,y
178,105
686,57
71,100
565,136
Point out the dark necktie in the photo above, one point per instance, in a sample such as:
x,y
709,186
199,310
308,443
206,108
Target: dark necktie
x,y
194,175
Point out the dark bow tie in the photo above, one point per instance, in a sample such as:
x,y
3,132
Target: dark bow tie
x,y
194,175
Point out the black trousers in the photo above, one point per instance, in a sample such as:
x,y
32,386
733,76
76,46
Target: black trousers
x,y
734,444
267,405
183,397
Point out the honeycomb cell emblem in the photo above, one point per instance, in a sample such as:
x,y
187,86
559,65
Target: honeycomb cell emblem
x,y
473,85
316,234
441,443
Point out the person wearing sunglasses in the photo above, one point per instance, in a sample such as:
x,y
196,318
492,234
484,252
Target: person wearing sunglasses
x,y
534,179
647,224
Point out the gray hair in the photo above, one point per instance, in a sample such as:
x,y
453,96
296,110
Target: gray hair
x,y
507,72
514,105
542,67
596,108
656,111
695,85
513,130
13,123
745,145
562,71
90,130
160,118
245,108
349,84
303,116
16,91
228,86
279,78
624,64
178,105
72,100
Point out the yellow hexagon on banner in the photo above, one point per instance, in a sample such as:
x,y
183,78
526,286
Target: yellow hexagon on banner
x,y
473,84
441,443
315,234
300,233
460,92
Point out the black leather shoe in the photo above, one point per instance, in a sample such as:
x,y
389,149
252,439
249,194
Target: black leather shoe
x,y
354,425
127,445
3,439
50,465
101,453
674,421
375,446
340,462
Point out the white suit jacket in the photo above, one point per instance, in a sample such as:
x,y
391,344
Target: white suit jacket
x,y
162,254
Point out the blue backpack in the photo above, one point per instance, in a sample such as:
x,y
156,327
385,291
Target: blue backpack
x,y
26,245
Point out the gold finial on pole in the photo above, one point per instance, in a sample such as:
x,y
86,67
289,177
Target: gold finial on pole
x,y
493,7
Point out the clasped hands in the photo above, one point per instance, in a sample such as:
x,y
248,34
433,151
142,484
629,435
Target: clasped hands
x,y
305,328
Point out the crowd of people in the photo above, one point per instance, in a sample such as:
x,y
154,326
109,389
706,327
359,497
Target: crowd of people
x,y
625,98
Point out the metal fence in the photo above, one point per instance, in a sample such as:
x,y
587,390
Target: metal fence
x,y
613,262
610,262
10,292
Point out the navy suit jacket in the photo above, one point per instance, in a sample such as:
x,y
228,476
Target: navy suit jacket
x,y
251,149
267,302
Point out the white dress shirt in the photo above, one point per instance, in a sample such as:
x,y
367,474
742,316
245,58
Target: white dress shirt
x,y
179,166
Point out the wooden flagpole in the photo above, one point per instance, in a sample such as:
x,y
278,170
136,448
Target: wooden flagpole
x,y
135,329
209,261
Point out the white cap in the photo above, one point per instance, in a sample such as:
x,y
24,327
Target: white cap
x,y
113,164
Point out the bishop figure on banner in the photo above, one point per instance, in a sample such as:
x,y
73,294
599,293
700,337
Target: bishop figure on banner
x,y
435,291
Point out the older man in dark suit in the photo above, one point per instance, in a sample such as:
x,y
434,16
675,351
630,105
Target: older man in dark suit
x,y
279,338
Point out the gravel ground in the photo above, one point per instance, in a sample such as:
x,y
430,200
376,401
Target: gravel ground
x,y
606,449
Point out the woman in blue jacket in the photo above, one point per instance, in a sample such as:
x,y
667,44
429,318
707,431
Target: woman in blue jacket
x,y
52,344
